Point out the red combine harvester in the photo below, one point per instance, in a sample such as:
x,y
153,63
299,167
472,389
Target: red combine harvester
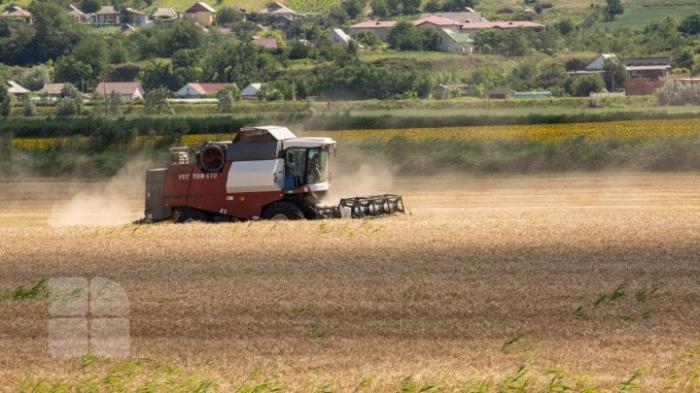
x,y
265,172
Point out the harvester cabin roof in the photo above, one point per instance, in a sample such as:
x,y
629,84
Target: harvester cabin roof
x,y
263,134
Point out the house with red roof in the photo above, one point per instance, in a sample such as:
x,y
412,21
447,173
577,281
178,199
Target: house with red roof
x,y
196,90
437,22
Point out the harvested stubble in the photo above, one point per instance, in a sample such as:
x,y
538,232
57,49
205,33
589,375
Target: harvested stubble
x,y
485,276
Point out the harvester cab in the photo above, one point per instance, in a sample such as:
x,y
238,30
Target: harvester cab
x,y
264,172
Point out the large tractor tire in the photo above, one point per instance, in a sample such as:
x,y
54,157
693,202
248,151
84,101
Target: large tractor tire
x,y
283,211
187,215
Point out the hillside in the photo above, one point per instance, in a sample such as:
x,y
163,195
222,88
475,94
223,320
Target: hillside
x,y
638,13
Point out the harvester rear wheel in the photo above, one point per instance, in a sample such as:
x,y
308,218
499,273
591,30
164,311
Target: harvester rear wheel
x,y
283,211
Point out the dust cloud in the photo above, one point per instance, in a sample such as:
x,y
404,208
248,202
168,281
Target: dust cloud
x,y
118,201
355,174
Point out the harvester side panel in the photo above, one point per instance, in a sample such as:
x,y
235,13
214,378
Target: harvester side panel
x,y
187,186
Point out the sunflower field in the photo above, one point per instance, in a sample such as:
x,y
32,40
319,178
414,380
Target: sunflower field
x,y
540,133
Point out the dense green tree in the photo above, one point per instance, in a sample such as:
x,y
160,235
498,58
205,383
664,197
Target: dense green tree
x,y
183,35
661,36
159,74
405,36
15,43
363,80
114,103
410,7
566,26
55,32
368,39
583,86
35,78
70,102
28,107
123,72
228,16
225,103
553,78
92,51
187,65
458,5
354,8
433,6
484,79
684,58
613,8
690,25
156,100
517,42
299,50
239,62
5,100
380,9
69,69
430,39
117,51
90,6
614,74
524,76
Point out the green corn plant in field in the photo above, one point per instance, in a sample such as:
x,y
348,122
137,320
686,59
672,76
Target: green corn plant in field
x,y
631,384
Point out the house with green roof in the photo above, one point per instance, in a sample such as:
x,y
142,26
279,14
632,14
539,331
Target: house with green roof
x,y
456,42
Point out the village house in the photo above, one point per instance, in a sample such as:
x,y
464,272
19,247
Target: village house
x,y
201,13
279,15
456,42
338,36
252,91
648,67
15,89
646,74
380,28
475,23
128,91
598,63
77,14
52,91
106,15
197,90
134,17
269,44
164,15
17,14
437,23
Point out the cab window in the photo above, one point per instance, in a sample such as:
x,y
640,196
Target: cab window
x,y
317,165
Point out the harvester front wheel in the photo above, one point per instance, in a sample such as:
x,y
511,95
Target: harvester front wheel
x,y
283,211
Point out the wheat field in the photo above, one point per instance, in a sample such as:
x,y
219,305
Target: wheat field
x,y
514,284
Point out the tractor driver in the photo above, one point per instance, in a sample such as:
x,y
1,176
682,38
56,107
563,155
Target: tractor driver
x,y
313,169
